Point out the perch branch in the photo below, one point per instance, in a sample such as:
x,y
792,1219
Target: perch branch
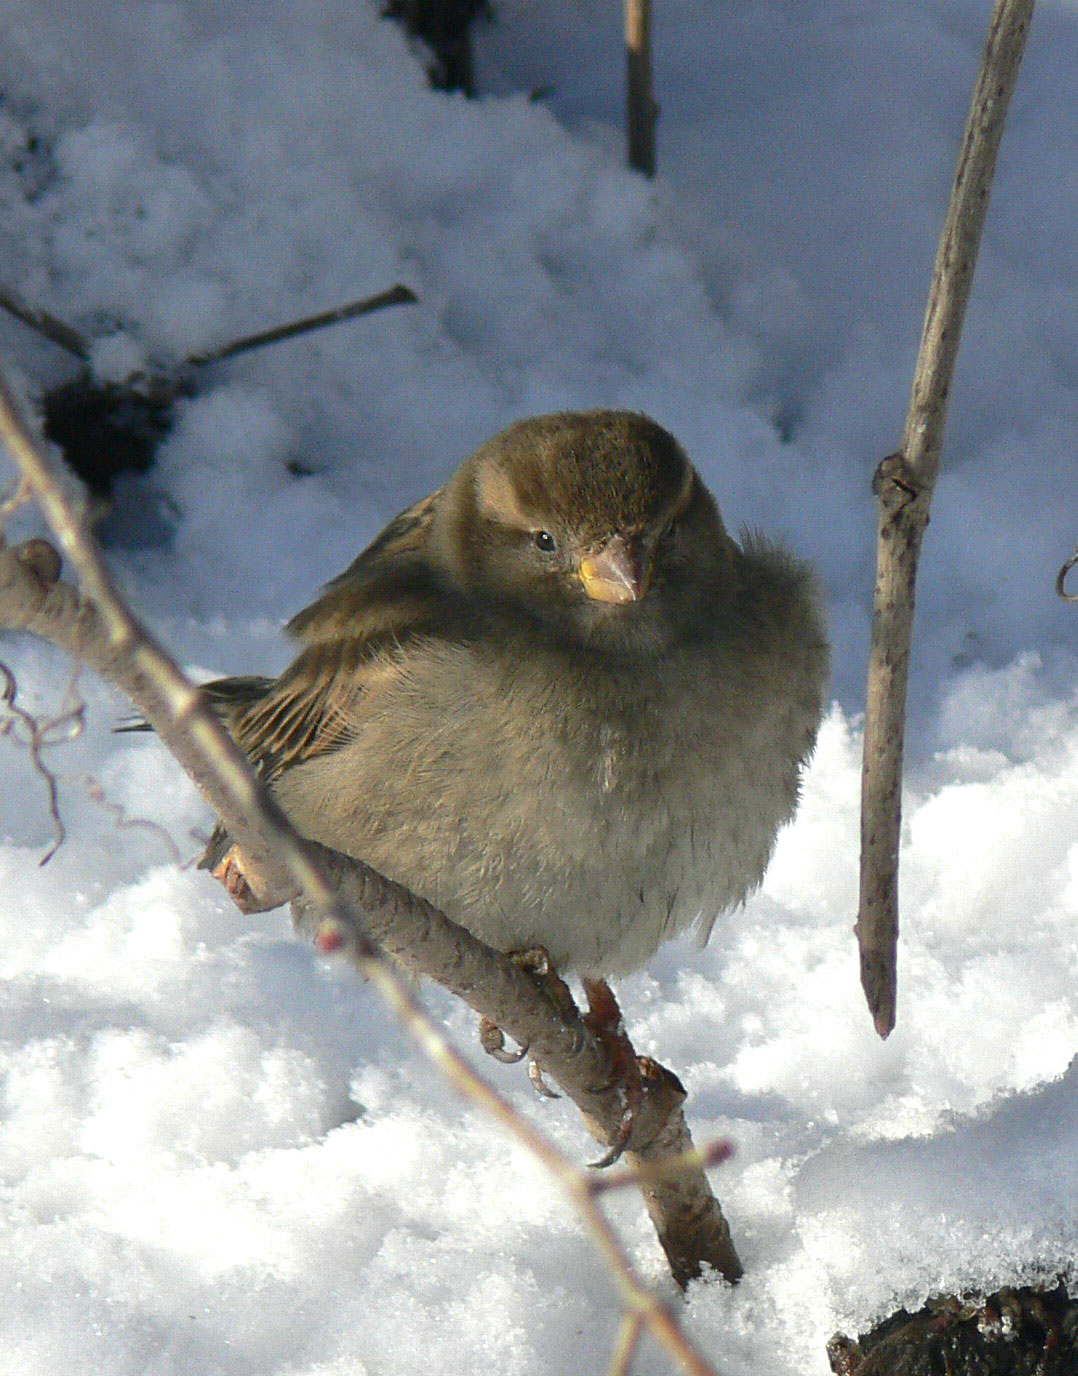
x,y
100,631
903,485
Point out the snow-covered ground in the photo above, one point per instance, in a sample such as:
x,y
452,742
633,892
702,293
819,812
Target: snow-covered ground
x,y
216,1156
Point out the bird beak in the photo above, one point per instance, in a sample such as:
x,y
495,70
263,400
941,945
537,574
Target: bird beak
x,y
618,571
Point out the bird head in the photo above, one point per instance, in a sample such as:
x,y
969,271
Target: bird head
x,y
594,521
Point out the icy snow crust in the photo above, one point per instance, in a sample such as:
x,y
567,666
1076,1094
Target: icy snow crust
x,y
216,1156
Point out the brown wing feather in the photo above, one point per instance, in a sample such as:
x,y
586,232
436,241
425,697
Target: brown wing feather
x,y
356,628
375,586
306,711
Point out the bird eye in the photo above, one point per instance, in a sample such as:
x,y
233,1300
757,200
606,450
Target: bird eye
x,y
543,540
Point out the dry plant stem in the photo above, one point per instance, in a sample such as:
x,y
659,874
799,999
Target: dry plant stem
x,y
628,1341
395,296
1061,578
903,485
103,633
642,111
45,324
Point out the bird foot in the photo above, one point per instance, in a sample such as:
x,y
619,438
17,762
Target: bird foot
x,y
243,883
535,1074
535,961
633,1075
492,1040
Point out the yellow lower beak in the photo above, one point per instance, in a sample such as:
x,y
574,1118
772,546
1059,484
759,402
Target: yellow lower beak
x,y
618,572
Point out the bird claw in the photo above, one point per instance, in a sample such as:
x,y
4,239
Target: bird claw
x,y
250,889
640,1076
535,961
617,1148
535,1074
492,1040
233,873
631,1071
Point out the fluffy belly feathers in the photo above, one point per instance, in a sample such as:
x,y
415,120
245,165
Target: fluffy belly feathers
x,y
602,835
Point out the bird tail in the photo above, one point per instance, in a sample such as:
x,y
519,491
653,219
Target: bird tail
x,y
228,697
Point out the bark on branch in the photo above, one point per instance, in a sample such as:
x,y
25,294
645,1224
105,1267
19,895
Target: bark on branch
x,y
903,485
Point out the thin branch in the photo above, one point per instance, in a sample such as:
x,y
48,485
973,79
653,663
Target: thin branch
x,y
122,819
45,324
670,1168
642,112
903,485
1061,578
37,736
398,295
68,338
100,630
628,1341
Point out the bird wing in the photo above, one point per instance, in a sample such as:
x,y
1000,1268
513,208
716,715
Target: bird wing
x,y
357,628
373,590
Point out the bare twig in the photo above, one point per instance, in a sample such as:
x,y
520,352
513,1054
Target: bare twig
x,y
642,112
669,1168
904,483
628,1341
45,324
56,330
122,819
1061,578
394,296
106,427
100,629
39,734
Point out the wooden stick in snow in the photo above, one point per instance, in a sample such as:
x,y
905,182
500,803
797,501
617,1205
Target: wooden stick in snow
x,y
903,485
642,110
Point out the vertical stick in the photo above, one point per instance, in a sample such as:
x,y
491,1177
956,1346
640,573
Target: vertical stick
x,y
904,484
641,107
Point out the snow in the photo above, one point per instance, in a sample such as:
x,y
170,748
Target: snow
x,y
216,1154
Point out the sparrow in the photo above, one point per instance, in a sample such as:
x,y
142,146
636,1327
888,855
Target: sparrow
x,y
555,697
